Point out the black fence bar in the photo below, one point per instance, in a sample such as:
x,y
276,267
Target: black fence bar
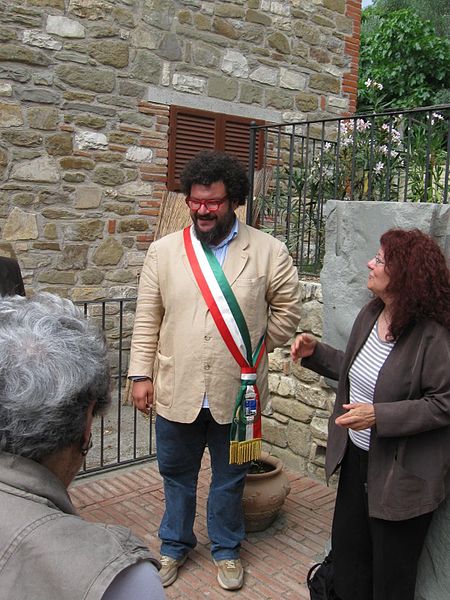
x,y
123,436
388,156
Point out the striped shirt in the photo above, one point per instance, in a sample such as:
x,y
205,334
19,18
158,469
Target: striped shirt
x,y
363,376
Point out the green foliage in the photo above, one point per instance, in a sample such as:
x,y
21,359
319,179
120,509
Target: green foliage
x,y
406,56
436,11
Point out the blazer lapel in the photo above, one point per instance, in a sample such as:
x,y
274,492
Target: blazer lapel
x,y
237,255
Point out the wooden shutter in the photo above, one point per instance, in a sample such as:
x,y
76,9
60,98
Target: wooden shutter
x,y
194,130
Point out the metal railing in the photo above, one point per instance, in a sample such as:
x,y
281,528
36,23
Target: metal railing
x,y
123,436
389,156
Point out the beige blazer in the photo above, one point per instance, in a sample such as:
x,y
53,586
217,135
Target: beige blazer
x,y
175,340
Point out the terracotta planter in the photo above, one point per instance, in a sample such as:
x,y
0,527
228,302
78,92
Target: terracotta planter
x,y
264,494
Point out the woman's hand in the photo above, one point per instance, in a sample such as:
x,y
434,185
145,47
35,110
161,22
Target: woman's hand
x,y
303,346
358,416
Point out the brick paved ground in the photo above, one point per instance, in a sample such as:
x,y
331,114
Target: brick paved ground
x,y
276,560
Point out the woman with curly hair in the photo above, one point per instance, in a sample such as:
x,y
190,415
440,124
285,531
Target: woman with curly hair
x,y
390,428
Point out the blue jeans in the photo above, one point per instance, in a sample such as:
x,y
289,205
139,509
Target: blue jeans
x,y
180,448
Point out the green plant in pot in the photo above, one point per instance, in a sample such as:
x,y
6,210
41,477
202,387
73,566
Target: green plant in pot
x,y
266,488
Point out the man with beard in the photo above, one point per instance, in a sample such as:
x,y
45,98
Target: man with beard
x,y
199,355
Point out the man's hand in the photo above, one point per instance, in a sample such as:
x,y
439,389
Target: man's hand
x,y
303,346
359,416
142,394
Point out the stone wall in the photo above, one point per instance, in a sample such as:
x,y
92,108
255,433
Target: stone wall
x,y
85,90
301,401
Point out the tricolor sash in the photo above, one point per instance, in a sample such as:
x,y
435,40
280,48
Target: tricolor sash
x,y
245,434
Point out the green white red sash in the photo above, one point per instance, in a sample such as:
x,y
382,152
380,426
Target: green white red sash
x,y
245,435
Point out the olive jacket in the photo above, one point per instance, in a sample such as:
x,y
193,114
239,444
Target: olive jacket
x,y
409,455
47,552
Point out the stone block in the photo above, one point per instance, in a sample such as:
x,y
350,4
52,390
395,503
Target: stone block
x,y
255,16
325,82
42,169
110,52
298,437
22,137
293,409
280,42
85,294
335,5
229,11
274,432
20,225
266,75
73,256
45,118
306,102
189,83
92,276
109,252
59,144
65,27
223,88
170,47
235,64
110,176
158,13
6,89
10,115
319,428
86,78
139,154
41,40
250,94
279,99
56,277
142,37
315,397
77,162
85,230
23,54
87,197
223,27
146,67
138,224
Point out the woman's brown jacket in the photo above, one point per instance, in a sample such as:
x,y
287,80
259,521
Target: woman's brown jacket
x,y
409,456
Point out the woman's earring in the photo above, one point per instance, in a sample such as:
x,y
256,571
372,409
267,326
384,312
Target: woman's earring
x,y
86,449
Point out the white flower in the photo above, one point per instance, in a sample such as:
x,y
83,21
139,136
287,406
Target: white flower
x,y
362,125
378,167
436,117
327,146
378,85
394,154
368,83
384,150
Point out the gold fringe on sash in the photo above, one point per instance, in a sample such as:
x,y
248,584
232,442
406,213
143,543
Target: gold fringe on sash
x,y
242,452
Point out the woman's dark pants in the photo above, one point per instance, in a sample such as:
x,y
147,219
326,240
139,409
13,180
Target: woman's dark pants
x,y
374,559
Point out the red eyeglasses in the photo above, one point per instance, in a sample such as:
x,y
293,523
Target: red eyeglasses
x,y
210,205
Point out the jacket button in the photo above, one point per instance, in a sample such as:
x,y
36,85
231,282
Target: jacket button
x,y
207,367
207,338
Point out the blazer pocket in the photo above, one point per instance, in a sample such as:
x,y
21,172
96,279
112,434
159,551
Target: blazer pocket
x,y
250,293
165,379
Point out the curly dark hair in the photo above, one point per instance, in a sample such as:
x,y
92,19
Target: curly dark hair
x,y
419,279
208,166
